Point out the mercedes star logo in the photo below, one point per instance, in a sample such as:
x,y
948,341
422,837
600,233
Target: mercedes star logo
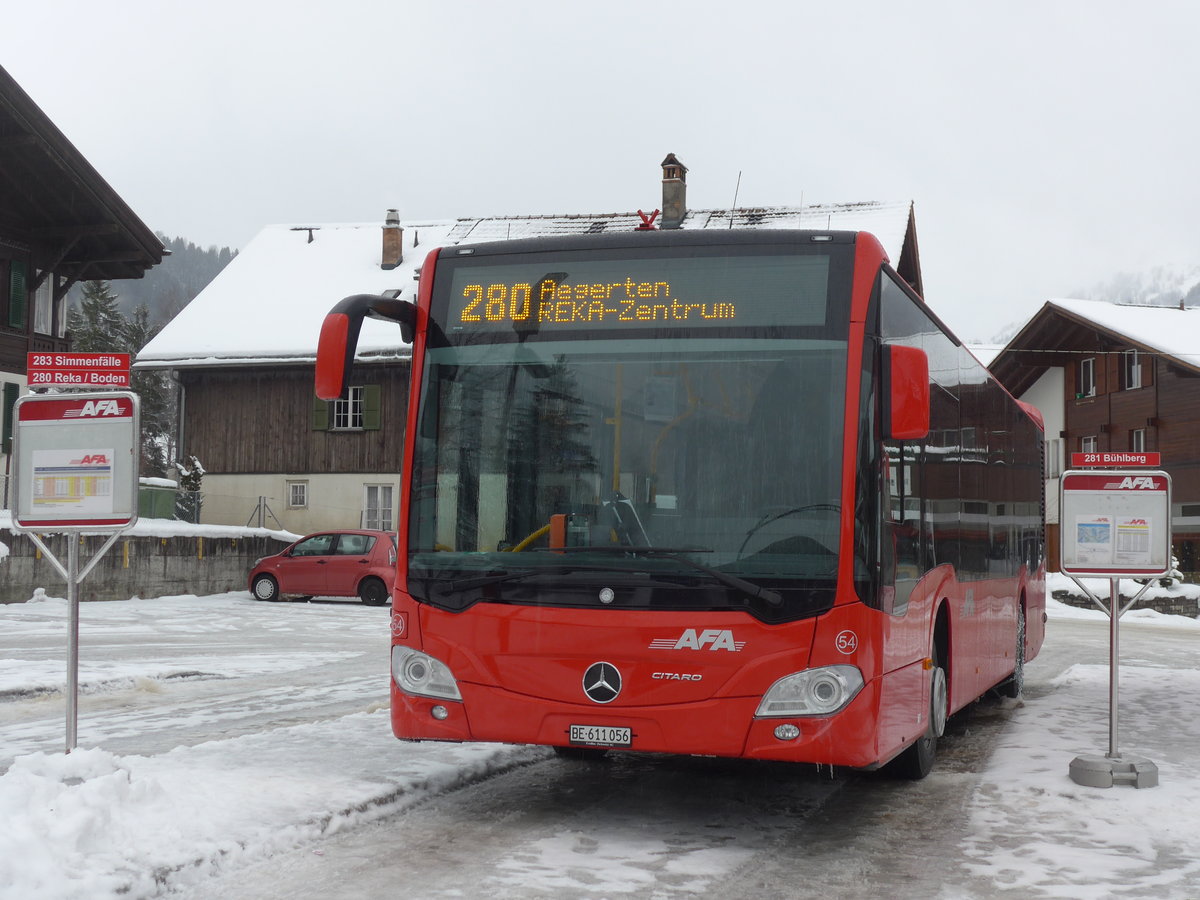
x,y
602,682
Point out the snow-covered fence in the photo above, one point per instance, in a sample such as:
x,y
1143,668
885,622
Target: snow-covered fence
x,y
1181,600
136,565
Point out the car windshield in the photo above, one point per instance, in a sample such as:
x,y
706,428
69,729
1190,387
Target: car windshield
x,y
652,467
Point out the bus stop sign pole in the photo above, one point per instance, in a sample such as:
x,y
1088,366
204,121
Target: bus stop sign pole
x,y
1115,524
74,577
76,458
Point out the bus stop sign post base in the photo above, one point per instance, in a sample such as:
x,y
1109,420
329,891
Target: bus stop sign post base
x,y
1105,771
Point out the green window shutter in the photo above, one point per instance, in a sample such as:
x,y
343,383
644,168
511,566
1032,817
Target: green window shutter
x,y
10,398
371,407
320,414
18,296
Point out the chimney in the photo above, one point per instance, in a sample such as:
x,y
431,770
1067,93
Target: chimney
x,y
393,241
674,202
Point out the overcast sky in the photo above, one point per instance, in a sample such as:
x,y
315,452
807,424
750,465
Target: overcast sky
x,y
1047,145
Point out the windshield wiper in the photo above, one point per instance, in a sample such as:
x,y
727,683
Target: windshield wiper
x,y
674,553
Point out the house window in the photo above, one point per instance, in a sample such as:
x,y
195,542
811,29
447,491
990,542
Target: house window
x,y
1087,378
348,411
43,306
1137,440
377,507
60,317
357,410
1088,444
297,494
1131,370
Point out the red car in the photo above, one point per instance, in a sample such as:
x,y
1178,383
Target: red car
x,y
330,564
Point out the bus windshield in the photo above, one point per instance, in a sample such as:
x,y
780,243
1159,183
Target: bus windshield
x,y
698,469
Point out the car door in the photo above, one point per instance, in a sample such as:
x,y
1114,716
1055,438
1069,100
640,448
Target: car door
x,y
303,570
350,561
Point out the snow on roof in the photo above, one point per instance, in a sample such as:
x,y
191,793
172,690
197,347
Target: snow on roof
x,y
888,221
268,304
1166,329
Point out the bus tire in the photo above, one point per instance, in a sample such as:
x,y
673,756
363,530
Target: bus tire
x,y
1015,683
916,761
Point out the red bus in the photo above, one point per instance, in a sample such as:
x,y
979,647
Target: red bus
x,y
736,493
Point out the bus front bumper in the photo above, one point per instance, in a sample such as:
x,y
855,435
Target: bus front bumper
x,y
723,726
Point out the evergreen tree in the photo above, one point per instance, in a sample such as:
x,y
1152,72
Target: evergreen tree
x,y
97,325
157,396
170,286
189,499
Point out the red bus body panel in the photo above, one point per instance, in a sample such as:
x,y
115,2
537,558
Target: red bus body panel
x,y
519,668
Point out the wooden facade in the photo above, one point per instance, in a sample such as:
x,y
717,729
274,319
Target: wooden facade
x,y
257,420
60,223
1118,395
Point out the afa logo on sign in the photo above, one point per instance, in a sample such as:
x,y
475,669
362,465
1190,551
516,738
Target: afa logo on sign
x,y
94,408
1138,482
91,459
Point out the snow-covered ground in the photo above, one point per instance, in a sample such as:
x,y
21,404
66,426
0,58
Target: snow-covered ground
x,y
109,821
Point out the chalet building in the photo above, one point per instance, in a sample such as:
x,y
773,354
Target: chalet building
x,y
243,351
1110,377
60,223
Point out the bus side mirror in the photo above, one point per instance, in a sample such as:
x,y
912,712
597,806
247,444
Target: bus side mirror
x,y
339,336
906,415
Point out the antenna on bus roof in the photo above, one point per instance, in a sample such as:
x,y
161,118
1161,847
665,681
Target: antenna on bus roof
x,y
737,187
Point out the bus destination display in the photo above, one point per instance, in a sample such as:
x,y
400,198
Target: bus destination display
x,y
632,293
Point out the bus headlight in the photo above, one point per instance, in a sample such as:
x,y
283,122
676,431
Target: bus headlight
x,y
813,692
420,674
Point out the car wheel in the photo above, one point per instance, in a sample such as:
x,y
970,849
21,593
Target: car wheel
x,y
265,587
373,592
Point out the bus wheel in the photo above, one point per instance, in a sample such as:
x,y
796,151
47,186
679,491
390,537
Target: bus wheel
x,y
373,592
1015,683
583,753
917,761
265,588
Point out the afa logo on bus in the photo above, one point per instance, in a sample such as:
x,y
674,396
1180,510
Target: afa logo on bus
x,y
697,639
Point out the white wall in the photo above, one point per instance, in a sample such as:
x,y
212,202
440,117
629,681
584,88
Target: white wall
x,y
334,501
1047,395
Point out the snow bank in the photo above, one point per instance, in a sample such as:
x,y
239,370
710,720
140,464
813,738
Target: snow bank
x,y
1035,832
92,826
